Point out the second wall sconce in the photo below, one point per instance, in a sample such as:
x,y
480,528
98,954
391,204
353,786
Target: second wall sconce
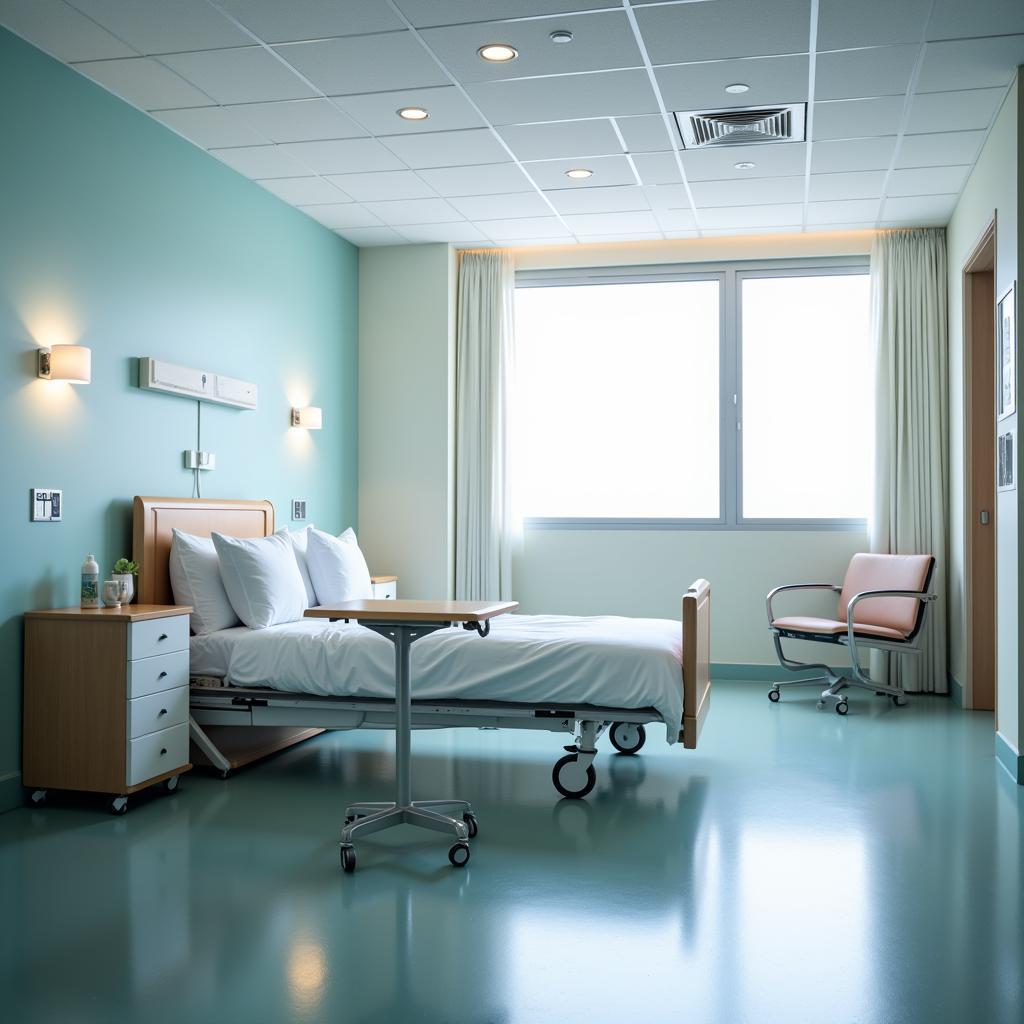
x,y
310,418
72,363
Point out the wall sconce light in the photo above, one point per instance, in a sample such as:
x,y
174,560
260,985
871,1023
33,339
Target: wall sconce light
x,y
72,363
310,418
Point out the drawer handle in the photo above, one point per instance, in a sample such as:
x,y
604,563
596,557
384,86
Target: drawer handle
x,y
163,750
163,711
162,636
162,675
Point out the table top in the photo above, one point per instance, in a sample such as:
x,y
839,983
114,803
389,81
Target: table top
x,y
414,611
123,613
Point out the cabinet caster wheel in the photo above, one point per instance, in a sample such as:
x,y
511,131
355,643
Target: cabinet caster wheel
x,y
842,708
459,855
170,785
118,805
569,780
774,695
38,798
627,738
472,826
348,859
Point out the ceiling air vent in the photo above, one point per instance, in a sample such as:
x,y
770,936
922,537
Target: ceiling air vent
x,y
741,126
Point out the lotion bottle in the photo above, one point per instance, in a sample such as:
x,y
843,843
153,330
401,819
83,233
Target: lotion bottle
x,y
90,583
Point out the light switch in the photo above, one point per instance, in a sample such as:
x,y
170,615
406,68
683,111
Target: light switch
x,y
298,508
47,505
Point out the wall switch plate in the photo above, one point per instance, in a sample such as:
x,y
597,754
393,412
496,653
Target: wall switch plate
x,y
200,460
298,508
47,505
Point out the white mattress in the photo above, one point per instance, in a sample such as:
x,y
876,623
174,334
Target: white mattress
x,y
607,661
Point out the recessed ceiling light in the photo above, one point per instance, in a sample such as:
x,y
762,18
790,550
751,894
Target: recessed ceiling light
x,y
737,87
412,114
579,172
561,35
744,165
498,53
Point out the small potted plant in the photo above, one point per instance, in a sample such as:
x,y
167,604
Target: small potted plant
x,y
125,572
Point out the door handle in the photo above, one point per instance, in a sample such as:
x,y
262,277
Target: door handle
x,y
984,518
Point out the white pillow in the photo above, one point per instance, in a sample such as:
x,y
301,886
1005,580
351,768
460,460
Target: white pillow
x,y
337,568
195,580
299,540
262,579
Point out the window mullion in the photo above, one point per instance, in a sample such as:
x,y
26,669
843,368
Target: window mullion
x,y
729,388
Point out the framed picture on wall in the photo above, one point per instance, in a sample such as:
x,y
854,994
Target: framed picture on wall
x,y
1006,351
1005,470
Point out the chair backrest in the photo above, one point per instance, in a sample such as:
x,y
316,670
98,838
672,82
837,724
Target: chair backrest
x,y
887,572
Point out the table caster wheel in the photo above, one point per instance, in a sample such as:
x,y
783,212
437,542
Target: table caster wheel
x,y
842,708
570,780
38,798
170,785
472,827
118,805
627,738
774,695
899,701
459,854
348,859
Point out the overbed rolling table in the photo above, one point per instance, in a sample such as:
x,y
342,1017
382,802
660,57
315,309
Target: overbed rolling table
x,y
404,622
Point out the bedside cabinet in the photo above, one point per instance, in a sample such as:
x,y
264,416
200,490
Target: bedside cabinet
x,y
384,587
106,700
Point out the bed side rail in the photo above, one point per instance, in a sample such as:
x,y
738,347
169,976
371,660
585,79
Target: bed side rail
x,y
696,661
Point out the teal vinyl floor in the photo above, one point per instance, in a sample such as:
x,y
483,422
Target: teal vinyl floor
x,y
797,867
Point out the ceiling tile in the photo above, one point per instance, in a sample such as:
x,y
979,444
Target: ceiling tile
x,y
144,82
617,199
926,181
919,209
953,19
361,64
853,155
371,236
608,170
261,161
745,191
953,111
702,86
675,220
870,22
725,28
939,149
667,197
383,185
657,168
523,227
245,75
854,119
971,63
862,211
779,215
561,139
423,13
413,211
650,236
276,22
345,156
644,134
600,42
210,127
156,26
61,31
848,185
782,229
565,97
448,149
299,121
498,207
487,179
459,232
612,223
378,112
342,215
875,71
770,160
304,191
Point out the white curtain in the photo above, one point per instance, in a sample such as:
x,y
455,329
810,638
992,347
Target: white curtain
x,y
908,312
483,367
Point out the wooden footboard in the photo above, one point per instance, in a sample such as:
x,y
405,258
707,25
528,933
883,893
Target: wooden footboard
x,y
696,661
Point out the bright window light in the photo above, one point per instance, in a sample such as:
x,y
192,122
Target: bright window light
x,y
617,401
807,405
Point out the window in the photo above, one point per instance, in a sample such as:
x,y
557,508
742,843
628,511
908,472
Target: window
x,y
715,396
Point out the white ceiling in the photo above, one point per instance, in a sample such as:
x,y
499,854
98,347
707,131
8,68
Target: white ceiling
x,y
301,97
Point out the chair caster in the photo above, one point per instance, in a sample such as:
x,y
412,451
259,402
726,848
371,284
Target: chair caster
x,y
472,826
118,805
842,708
459,854
899,701
348,859
774,695
568,779
349,818
627,738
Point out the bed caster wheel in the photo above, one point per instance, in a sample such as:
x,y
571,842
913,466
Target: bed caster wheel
x,y
170,785
38,798
842,708
348,859
118,805
459,854
899,701
820,704
225,773
774,695
569,778
627,738
472,826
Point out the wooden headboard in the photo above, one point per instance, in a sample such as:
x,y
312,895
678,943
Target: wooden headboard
x,y
153,519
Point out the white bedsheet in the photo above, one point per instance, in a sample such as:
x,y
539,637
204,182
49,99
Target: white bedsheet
x,y
210,653
532,659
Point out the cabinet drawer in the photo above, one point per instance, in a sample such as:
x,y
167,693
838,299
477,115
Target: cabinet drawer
x,y
157,636
157,753
385,590
162,673
157,711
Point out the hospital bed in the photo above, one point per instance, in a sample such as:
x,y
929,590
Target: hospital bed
x,y
237,716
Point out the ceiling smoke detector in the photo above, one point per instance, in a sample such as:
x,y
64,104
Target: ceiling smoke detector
x,y
741,126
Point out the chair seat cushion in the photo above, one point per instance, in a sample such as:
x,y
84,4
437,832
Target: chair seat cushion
x,y
833,627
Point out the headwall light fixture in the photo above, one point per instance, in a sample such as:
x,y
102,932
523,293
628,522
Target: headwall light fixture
x,y
72,363
498,53
737,87
412,114
310,418
745,165
579,172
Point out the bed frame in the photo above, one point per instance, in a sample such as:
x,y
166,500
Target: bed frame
x,y
222,718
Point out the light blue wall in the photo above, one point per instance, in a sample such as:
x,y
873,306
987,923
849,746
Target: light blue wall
x,y
117,234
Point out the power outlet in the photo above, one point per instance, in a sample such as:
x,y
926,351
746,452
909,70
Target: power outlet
x,y
298,509
200,460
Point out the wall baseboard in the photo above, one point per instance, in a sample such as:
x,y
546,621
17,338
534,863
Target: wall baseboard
x,y
956,690
12,795
1010,758
760,673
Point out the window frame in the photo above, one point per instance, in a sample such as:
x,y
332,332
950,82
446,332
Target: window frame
x,y
730,276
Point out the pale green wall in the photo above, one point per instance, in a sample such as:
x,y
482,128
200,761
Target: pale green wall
x,y
117,234
992,189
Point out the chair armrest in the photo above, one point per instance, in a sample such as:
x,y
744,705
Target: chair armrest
x,y
918,595
796,586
